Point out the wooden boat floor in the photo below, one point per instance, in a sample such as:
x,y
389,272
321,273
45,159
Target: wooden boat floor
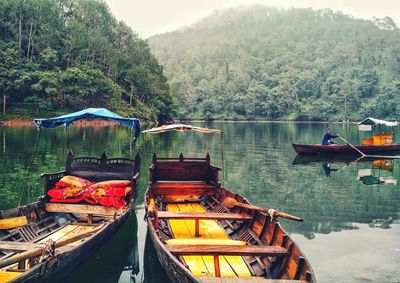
x,y
68,231
230,266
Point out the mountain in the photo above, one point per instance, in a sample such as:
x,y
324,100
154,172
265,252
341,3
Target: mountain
x,y
258,62
62,55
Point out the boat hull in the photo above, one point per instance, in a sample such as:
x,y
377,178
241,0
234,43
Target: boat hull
x,y
344,149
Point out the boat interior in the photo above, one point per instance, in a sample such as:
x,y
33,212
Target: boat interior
x,y
186,207
29,227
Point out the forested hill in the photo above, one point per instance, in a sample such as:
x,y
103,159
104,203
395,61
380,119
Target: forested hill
x,y
62,55
267,63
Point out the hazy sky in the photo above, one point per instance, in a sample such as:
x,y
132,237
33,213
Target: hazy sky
x,y
149,17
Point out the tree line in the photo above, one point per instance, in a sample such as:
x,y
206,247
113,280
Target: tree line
x,y
62,55
260,62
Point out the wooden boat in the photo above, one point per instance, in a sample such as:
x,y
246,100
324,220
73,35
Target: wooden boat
x,y
199,239
378,142
43,241
344,149
305,159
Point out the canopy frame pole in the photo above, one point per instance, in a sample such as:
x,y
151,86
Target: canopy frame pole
x,y
24,185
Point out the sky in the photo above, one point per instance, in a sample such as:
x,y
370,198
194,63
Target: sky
x,y
150,17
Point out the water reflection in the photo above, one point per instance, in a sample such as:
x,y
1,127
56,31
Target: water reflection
x,y
117,260
259,164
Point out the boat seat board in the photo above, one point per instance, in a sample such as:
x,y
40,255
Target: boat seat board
x,y
14,222
227,250
6,276
82,208
210,216
184,189
230,266
200,242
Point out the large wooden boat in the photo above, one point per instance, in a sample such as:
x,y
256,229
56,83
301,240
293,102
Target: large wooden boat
x,y
43,241
199,239
344,149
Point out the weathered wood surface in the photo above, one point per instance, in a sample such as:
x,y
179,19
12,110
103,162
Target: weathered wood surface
x,y
11,246
209,216
226,250
83,208
13,222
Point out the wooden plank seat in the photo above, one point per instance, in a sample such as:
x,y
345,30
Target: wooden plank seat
x,y
203,216
83,209
225,250
184,188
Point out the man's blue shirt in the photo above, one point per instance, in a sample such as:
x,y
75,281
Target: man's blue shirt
x,y
326,140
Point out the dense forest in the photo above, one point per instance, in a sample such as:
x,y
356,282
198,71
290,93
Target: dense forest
x,y
268,63
62,55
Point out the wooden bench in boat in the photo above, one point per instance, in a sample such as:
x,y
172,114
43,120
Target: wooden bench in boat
x,y
184,188
220,250
227,250
87,209
202,216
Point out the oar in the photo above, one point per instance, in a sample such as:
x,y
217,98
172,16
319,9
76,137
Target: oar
x,y
231,202
352,146
38,251
363,155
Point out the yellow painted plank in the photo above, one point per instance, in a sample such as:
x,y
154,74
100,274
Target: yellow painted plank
x,y
9,223
210,231
6,276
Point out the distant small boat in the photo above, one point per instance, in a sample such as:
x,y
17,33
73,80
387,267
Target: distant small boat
x,y
381,142
338,149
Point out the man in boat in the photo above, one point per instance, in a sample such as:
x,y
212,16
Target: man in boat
x,y
326,139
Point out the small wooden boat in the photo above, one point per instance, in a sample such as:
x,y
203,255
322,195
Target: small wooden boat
x,y
378,142
201,236
43,241
344,149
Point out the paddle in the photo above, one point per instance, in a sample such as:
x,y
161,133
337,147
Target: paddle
x,y
352,146
38,251
231,202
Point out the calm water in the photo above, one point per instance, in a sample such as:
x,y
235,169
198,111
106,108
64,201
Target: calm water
x,y
351,231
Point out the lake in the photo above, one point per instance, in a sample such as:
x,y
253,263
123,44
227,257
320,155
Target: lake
x,y
351,231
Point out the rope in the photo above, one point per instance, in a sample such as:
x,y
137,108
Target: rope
x,y
23,187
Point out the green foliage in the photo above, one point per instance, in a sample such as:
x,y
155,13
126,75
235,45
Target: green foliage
x,y
71,54
268,63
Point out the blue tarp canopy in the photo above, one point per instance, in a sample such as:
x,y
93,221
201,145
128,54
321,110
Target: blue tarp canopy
x,y
88,114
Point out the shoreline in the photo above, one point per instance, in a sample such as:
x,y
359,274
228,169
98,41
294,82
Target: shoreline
x,y
85,123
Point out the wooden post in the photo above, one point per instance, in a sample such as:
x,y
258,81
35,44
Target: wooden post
x,y
90,218
70,159
197,227
4,105
216,266
137,164
103,159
